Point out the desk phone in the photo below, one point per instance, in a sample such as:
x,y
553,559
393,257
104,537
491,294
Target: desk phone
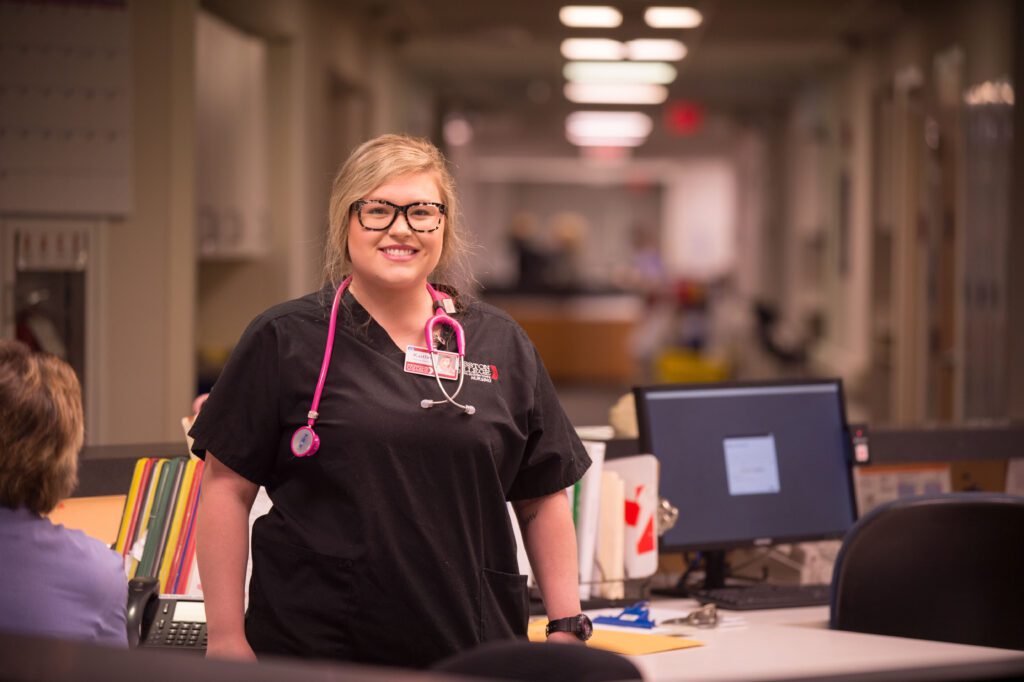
x,y
167,622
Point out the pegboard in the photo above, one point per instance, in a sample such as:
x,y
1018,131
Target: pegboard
x,y
65,107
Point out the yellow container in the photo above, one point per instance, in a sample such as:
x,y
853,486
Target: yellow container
x,y
682,366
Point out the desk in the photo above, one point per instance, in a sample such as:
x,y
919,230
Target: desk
x,y
584,338
788,644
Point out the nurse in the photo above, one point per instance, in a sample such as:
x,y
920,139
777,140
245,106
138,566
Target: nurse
x,y
390,543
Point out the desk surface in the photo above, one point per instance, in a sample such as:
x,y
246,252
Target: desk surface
x,y
788,644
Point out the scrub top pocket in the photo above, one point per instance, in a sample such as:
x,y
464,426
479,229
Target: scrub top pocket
x,y
504,605
312,621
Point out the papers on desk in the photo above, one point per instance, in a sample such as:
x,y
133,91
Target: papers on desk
x,y
614,507
586,510
639,476
622,641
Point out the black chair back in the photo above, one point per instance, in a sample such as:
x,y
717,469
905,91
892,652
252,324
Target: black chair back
x,y
947,568
540,662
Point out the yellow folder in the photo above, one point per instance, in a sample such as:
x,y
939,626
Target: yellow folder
x,y
146,510
626,643
129,505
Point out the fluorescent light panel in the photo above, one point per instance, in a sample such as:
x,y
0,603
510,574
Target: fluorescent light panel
x,y
590,16
605,141
655,49
592,48
673,17
608,128
658,73
615,93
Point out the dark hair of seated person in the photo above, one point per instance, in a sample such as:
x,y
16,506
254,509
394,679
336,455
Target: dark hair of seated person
x,y
41,428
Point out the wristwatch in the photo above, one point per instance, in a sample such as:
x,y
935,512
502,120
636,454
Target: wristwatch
x,y
578,625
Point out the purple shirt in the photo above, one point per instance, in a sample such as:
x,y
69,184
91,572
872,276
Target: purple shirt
x,y
59,582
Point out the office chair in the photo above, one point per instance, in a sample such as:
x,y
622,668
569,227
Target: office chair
x,y
540,662
947,568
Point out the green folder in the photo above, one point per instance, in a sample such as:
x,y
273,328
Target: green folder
x,y
181,464
158,517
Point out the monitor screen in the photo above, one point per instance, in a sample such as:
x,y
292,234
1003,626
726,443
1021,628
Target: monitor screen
x,y
750,464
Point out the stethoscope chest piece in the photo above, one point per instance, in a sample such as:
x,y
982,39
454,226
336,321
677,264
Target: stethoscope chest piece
x,y
305,442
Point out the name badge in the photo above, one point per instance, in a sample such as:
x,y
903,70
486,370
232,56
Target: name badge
x,y
417,361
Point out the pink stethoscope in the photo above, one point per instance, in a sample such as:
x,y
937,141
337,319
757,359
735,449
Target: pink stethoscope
x,y
305,442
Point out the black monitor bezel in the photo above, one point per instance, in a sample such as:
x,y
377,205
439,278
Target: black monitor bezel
x,y
643,430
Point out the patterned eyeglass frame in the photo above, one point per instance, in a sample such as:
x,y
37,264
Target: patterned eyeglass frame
x,y
404,210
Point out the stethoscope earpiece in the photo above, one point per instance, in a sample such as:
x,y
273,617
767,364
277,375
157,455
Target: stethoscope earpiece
x,y
426,403
470,409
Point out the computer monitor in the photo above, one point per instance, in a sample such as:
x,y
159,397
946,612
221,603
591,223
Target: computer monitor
x,y
749,464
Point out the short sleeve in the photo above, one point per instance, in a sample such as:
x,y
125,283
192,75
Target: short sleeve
x,y
554,457
240,423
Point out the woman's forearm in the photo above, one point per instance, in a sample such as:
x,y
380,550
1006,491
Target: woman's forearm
x,y
222,549
550,540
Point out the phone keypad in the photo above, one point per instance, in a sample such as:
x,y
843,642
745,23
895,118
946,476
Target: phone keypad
x,y
169,633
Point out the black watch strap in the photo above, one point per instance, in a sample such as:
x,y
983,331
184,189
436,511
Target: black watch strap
x,y
578,625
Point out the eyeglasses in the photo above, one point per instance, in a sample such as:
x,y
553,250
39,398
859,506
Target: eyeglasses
x,y
379,215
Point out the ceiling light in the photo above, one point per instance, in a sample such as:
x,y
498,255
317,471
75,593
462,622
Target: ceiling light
x,y
673,17
590,16
457,131
592,48
658,73
605,141
615,93
656,49
608,128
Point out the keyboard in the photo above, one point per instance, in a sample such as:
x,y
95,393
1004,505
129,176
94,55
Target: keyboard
x,y
763,596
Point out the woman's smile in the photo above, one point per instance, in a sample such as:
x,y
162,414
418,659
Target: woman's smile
x,y
399,254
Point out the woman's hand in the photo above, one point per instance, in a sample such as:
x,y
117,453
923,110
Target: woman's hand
x,y
233,648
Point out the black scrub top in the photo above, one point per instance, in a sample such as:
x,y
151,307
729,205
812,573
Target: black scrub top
x,y
392,544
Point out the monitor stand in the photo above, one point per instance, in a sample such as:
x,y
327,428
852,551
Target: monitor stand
x,y
715,569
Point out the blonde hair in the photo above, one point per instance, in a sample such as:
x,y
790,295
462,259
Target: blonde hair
x,y
41,428
372,164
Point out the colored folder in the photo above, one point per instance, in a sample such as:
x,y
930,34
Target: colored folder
x,y
141,536
187,550
180,508
129,505
154,527
177,544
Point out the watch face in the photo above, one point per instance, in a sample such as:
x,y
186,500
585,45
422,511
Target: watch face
x,y
585,627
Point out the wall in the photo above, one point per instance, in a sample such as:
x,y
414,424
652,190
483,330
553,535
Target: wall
x,y
330,87
845,253
912,209
1015,247
149,281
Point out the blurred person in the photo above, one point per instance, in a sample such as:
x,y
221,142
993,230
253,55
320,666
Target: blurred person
x,y
532,260
53,581
568,233
645,272
389,540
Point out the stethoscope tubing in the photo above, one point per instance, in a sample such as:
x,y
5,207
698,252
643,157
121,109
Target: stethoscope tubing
x,y
305,442
328,349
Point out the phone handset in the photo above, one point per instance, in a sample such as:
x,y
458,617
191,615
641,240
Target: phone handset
x,y
143,597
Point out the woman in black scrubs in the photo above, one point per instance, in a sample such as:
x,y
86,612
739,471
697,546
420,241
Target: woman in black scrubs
x,y
390,544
